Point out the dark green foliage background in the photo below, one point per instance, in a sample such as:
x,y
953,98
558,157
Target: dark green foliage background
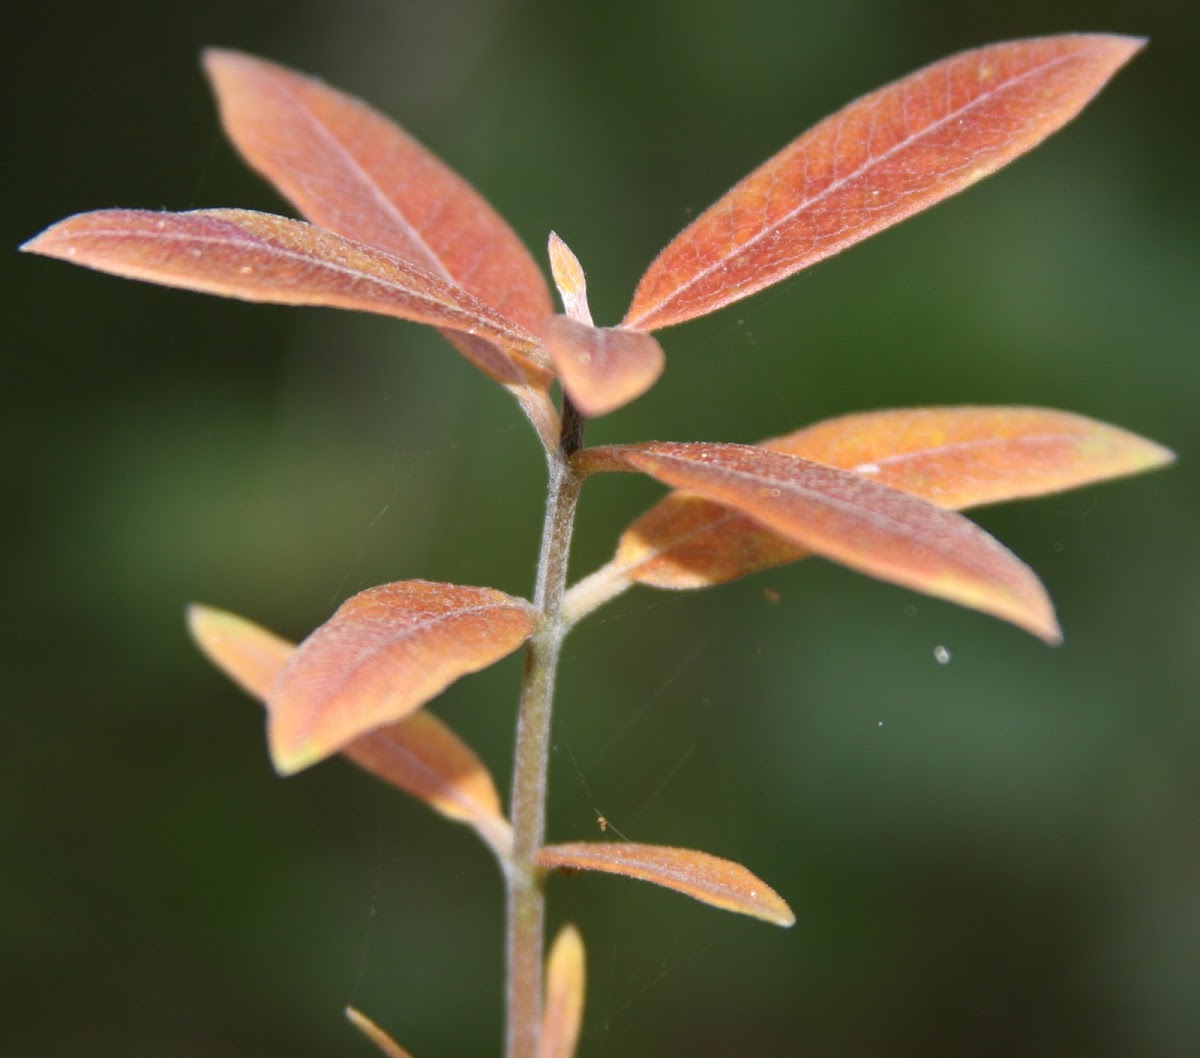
x,y
999,856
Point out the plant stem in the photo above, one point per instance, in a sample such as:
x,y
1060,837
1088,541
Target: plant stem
x,y
525,896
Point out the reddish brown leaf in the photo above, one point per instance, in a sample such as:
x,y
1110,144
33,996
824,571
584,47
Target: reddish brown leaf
x,y
601,368
881,159
351,170
955,457
348,168
709,879
562,1012
850,519
261,257
387,1046
384,654
420,755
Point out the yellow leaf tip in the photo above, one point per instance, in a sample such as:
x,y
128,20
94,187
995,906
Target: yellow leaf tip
x,y
375,1034
287,760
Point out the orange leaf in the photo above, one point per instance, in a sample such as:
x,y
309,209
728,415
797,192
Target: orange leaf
x,y
562,1013
348,168
384,654
420,755
260,257
879,160
850,519
389,1047
709,879
423,757
247,653
955,457
601,368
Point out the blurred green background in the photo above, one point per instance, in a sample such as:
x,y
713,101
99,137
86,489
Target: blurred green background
x,y
997,856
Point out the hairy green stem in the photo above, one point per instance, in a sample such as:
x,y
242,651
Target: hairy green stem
x,y
531,757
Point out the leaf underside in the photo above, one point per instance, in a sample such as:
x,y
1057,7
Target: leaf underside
x,y
260,257
849,519
419,755
380,657
351,170
709,879
955,457
884,157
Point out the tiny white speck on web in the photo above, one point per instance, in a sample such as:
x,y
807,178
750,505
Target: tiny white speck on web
x,y
941,655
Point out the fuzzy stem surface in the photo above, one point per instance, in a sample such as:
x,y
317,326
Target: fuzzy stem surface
x,y
525,881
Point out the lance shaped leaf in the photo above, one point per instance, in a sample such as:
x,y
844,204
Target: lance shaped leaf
x,y
601,368
380,657
954,457
348,168
387,1046
420,754
881,159
709,879
850,519
260,257
566,983
351,170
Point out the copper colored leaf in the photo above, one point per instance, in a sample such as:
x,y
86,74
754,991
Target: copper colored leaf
x,y
850,519
261,257
879,160
709,879
601,368
423,757
420,755
387,1046
566,982
384,654
954,457
352,171
348,168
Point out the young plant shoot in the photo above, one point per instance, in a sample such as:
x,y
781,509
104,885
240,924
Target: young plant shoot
x,y
390,229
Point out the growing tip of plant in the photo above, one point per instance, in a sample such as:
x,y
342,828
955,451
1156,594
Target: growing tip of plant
x,y
570,280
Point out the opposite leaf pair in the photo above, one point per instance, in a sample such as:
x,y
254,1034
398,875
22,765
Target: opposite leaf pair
x,y
417,752
403,235
406,236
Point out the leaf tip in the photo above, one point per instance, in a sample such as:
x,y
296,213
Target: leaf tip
x,y
217,61
45,244
288,755
569,278
375,1034
785,917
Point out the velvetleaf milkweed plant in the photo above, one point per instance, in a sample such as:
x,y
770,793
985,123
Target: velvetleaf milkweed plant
x,y
394,231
